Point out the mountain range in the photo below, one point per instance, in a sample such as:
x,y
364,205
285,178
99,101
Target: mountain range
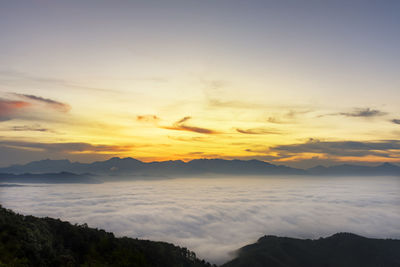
x,y
133,166
130,167
198,166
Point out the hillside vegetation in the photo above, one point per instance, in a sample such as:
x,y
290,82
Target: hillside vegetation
x,y
343,249
31,241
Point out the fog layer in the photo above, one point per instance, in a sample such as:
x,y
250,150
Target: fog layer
x,y
214,217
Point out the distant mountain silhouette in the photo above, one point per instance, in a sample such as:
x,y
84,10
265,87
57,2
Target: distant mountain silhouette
x,y
346,169
133,167
341,249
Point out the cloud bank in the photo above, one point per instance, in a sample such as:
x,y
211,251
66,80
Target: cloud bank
x,y
384,148
214,217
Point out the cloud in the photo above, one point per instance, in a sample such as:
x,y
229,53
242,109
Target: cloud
x,y
294,113
147,118
181,126
77,147
275,120
214,217
48,102
289,117
30,128
22,78
363,112
215,93
234,104
18,108
258,131
183,120
190,139
11,108
396,121
385,148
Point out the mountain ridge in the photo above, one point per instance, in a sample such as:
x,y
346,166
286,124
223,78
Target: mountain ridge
x,y
121,166
340,249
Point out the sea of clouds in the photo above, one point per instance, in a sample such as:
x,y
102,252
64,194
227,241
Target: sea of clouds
x,y
215,217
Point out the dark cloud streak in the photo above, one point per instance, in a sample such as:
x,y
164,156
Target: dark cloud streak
x,y
365,112
33,128
181,126
49,102
384,148
258,131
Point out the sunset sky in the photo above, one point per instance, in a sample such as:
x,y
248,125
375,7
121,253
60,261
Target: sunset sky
x,y
297,83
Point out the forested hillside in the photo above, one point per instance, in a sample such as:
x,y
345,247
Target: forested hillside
x,y
31,241
343,249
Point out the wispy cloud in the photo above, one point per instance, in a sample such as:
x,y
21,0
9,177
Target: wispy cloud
x,y
18,76
258,131
78,147
362,112
396,121
275,120
190,139
384,148
294,115
234,104
48,102
182,126
10,108
30,128
147,118
216,97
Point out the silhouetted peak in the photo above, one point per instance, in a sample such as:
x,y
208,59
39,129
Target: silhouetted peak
x,y
117,159
114,159
318,167
267,237
51,161
388,165
344,236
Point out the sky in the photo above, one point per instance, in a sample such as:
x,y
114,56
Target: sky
x,y
298,83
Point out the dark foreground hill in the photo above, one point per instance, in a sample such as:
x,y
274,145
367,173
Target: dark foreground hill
x,y
341,249
31,241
